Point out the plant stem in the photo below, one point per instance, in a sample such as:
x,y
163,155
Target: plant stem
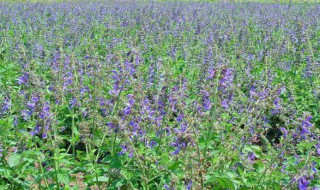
x,y
73,135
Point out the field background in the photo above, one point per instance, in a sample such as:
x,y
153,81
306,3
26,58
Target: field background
x,y
122,94
260,1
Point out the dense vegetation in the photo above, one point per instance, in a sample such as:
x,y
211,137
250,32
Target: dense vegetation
x,y
159,96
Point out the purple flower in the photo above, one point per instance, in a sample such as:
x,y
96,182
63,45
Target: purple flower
x,y
116,89
318,148
124,149
35,131
73,103
253,92
62,128
23,79
26,114
303,183
180,117
251,156
283,168
131,99
313,167
130,155
305,126
227,78
127,110
224,104
166,187
46,111
84,90
206,103
5,106
284,132
153,144
31,105
111,125
211,73
205,93
176,151
277,106
189,186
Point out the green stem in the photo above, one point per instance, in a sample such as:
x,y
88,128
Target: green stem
x,y
73,135
42,172
212,117
270,163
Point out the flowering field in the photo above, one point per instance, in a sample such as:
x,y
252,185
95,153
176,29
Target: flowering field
x,y
159,96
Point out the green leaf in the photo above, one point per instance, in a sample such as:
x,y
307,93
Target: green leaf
x,y
3,187
63,178
276,186
259,166
102,178
225,182
14,160
174,166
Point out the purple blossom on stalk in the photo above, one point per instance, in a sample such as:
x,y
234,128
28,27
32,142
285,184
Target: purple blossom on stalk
x,y
253,93
206,103
153,144
84,90
303,183
227,78
116,88
189,185
15,121
26,114
318,148
151,74
283,168
23,79
73,103
305,126
113,127
5,106
68,80
130,67
281,90
211,73
46,114
176,151
31,105
125,149
224,104
180,117
277,106
131,102
251,156
313,167
62,128
284,132
35,131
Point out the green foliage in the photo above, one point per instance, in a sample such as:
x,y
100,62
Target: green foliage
x,y
115,96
